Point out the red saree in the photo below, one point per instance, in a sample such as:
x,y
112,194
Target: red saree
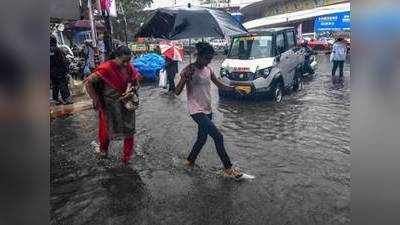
x,y
112,75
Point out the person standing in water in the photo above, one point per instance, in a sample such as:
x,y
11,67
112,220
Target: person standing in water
x,y
171,68
338,57
113,87
59,74
197,78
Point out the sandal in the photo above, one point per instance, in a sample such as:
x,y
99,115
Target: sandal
x,y
101,155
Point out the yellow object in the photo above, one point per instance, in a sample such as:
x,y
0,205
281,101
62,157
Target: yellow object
x,y
243,89
247,38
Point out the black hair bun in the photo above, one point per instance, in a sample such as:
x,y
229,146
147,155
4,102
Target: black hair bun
x,y
204,48
122,50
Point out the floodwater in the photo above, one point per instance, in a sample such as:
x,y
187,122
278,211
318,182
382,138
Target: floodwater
x,y
298,150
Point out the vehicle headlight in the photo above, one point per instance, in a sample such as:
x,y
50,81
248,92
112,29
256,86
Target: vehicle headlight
x,y
223,72
263,72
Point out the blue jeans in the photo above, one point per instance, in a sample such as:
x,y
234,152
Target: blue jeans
x,y
207,127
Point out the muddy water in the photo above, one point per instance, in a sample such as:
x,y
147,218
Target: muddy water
x,y
298,150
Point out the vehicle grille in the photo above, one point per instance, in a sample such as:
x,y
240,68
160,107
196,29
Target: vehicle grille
x,y
241,76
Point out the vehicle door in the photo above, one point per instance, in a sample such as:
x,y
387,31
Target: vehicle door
x,y
293,57
282,55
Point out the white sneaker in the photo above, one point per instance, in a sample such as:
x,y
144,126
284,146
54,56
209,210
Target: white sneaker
x,y
233,173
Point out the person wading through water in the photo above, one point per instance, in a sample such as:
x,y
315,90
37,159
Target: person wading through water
x,y
171,68
197,78
338,57
113,87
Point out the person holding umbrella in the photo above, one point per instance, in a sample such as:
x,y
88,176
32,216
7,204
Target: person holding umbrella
x,y
197,78
172,54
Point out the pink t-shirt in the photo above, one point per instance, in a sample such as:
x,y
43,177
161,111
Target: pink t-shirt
x,y
198,90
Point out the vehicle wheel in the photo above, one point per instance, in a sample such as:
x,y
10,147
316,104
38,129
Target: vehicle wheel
x,y
278,92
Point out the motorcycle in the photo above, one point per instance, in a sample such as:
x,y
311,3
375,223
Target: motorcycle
x,y
310,62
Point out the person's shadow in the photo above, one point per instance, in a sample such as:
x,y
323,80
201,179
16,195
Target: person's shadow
x,y
213,201
126,193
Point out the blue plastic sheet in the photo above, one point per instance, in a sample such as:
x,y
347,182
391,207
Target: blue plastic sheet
x,y
149,64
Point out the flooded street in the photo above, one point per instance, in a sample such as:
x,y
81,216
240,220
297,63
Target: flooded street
x,y
299,151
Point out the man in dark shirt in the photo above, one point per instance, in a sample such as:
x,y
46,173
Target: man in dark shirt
x,y
171,69
58,73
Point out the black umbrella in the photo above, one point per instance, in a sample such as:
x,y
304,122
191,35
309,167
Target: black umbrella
x,y
183,23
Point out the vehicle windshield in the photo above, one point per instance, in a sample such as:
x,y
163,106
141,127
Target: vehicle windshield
x,y
251,47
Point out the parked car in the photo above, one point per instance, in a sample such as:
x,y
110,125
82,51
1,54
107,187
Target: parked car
x,y
321,44
263,62
331,41
308,36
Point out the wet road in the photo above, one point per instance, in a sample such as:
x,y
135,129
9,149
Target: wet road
x,y
298,150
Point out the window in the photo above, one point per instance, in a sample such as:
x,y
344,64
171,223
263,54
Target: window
x,y
280,43
290,39
251,47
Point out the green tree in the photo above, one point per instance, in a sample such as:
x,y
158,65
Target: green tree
x,y
134,15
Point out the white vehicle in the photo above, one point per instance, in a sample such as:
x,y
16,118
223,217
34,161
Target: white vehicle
x,y
263,62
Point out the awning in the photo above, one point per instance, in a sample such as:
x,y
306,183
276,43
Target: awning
x,y
64,9
297,16
83,25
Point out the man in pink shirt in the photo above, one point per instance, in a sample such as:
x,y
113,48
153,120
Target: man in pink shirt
x,y
198,77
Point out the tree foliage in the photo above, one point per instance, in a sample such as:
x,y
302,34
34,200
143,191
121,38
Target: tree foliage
x,y
131,6
134,14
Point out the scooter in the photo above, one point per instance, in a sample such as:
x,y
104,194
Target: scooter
x,y
309,66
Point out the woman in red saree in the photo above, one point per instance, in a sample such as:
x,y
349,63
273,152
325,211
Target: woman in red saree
x,y
107,86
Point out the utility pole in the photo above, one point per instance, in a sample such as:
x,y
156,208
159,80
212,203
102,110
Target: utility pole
x,y
108,34
126,24
92,24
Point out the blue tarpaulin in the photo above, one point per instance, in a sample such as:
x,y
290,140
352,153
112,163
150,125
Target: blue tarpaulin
x,y
149,64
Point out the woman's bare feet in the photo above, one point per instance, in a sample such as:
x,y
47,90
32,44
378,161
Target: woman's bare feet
x,y
101,155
